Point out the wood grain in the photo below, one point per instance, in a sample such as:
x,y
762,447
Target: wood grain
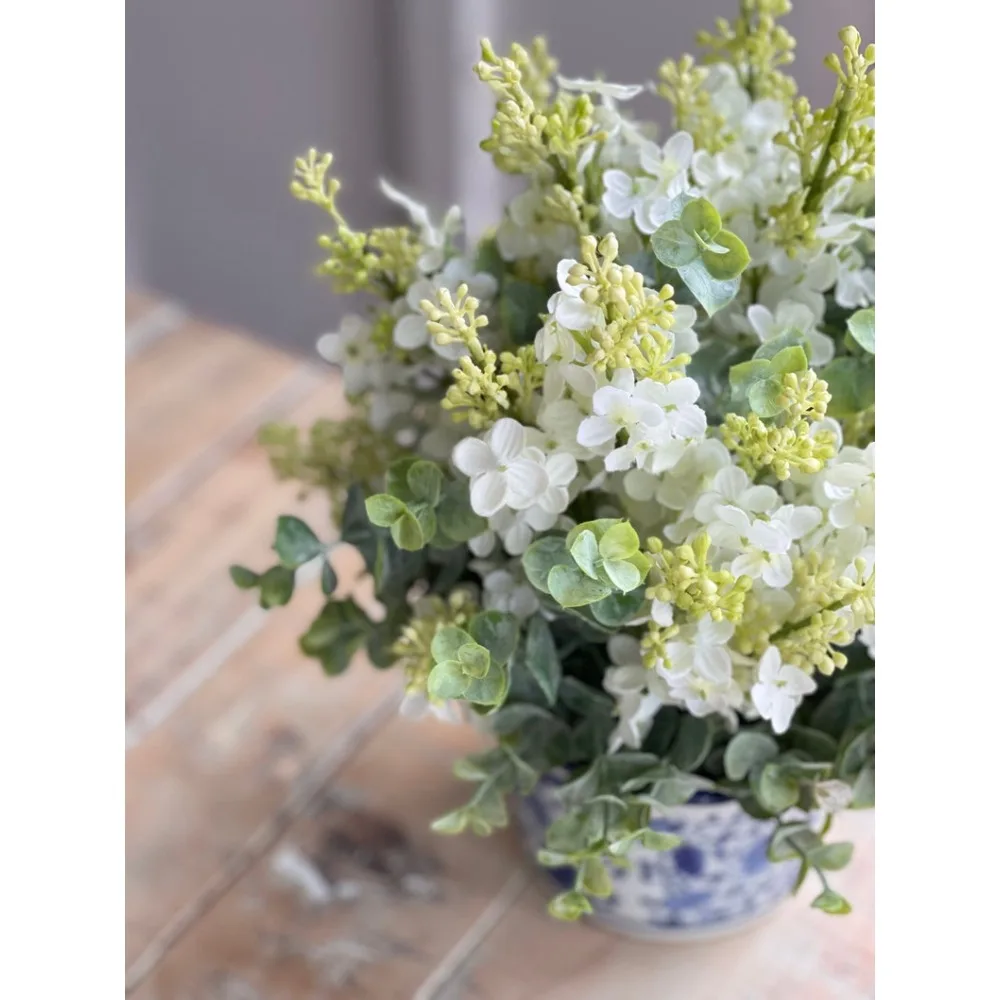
x,y
202,782
387,899
185,391
178,592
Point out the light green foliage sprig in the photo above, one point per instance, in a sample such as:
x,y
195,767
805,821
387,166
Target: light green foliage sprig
x,y
831,144
755,45
530,134
380,260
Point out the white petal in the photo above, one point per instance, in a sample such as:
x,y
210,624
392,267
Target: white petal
x,y
576,315
662,612
473,457
713,663
517,539
679,149
488,493
410,332
769,536
761,320
682,391
749,565
734,517
594,431
714,633
561,469
688,421
777,572
526,481
759,499
506,440
620,459
730,482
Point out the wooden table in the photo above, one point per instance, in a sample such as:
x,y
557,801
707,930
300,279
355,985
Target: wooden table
x,y
277,823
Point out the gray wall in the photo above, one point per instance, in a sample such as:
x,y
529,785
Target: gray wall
x,y
221,94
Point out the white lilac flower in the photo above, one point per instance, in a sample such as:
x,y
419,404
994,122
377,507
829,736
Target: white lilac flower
x,y
779,689
351,348
683,332
560,469
702,649
434,238
639,692
762,545
833,795
609,91
502,470
867,636
701,697
731,486
516,530
855,282
569,310
849,482
623,194
527,229
503,591
797,519
801,279
791,317
554,342
410,331
668,165
622,406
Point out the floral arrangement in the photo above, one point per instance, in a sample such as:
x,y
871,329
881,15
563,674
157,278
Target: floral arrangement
x,y
612,468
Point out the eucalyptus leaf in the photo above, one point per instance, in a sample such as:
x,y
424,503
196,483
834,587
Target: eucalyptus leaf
x,y
425,480
295,542
862,328
674,245
384,510
620,541
831,902
276,586
623,575
767,397
245,579
328,579
747,749
692,743
447,641
585,553
541,557
497,631
406,532
731,258
447,680
572,588
773,788
542,658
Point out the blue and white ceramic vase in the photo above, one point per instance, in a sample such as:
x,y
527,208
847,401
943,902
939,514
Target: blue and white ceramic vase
x,y
717,882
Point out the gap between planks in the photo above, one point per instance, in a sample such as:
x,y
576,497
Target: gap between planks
x,y
439,984
264,837
171,487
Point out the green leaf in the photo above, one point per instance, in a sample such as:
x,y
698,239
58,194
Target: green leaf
x,y
583,699
623,575
455,517
339,630
730,260
767,397
357,530
831,857
475,660
451,823
594,878
488,259
447,641
276,587
745,750
851,382
488,690
574,589
426,519
585,553
792,840
747,373
569,906
521,306
862,327
406,532
817,744
447,680
692,743
424,480
789,359
541,557
328,579
773,788
496,631
831,902
621,541
245,579
657,840
712,293
774,346
295,542
700,216
617,610
864,788
542,658
674,245
384,510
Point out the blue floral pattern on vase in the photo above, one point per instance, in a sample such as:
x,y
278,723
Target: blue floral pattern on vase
x,y
716,881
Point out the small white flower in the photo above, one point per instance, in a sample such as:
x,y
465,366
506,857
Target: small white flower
x,y
434,238
527,230
623,405
683,332
791,317
701,697
855,282
779,689
851,487
833,795
569,310
623,194
702,649
503,472
668,165
763,545
611,91
503,591
733,487
560,469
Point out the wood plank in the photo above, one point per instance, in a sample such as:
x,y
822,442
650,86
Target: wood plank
x,y
361,899
178,593
185,391
798,953
136,303
201,784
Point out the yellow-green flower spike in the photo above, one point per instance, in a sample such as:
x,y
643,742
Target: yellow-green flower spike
x,y
755,45
682,83
382,260
836,142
